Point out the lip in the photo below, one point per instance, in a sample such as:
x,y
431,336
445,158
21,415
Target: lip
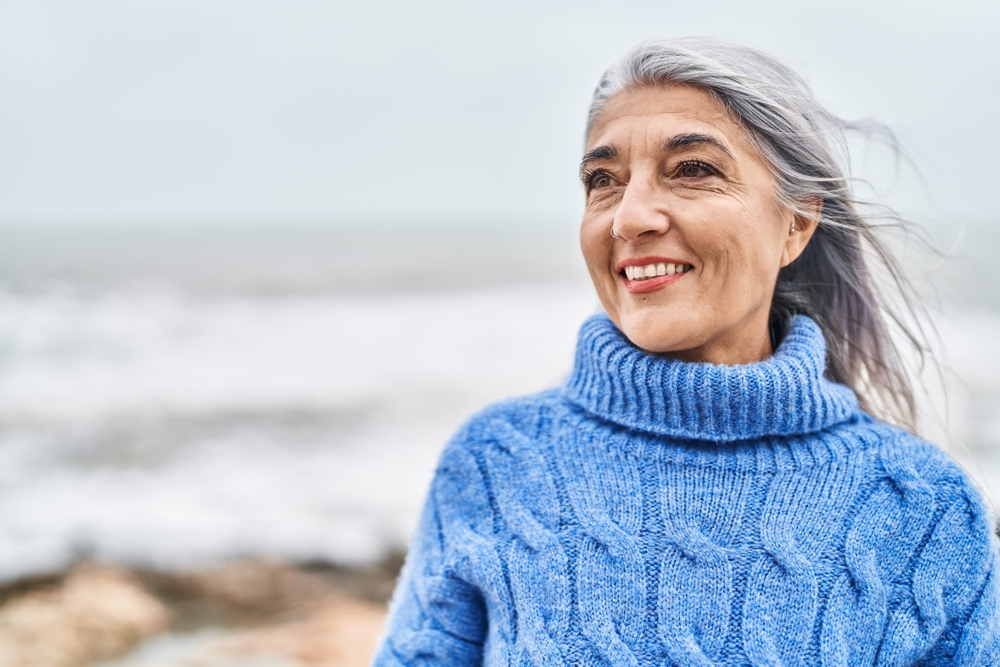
x,y
650,284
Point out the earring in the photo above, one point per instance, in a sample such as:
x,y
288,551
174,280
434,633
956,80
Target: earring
x,y
793,228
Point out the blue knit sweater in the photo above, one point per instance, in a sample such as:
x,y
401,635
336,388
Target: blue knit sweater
x,y
656,512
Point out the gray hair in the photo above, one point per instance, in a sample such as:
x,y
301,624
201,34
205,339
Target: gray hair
x,y
832,280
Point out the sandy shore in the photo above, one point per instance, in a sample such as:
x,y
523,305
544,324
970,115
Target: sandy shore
x,y
248,613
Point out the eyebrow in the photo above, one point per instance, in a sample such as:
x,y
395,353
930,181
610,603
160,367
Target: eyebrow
x,y
677,142
685,140
599,153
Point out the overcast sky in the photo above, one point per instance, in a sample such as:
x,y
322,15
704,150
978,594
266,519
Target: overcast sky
x,y
357,113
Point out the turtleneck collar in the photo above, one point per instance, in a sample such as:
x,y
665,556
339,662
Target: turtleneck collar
x,y
785,394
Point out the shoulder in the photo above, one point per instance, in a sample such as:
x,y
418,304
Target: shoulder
x,y
915,501
512,425
495,464
958,545
953,573
906,454
884,453
920,535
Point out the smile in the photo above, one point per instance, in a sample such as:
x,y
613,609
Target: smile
x,y
648,274
654,270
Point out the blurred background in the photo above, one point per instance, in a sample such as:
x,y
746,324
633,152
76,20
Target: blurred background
x,y
259,259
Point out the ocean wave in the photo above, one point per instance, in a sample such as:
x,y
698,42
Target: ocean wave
x,y
156,428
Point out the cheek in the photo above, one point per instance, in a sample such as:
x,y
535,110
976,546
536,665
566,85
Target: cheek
x,y
741,254
595,247
596,244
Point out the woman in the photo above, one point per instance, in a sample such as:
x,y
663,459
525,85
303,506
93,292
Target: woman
x,y
709,486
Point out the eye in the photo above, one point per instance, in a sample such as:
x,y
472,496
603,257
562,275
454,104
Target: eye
x,y
694,169
598,179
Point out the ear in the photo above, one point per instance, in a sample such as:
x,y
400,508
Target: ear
x,y
801,229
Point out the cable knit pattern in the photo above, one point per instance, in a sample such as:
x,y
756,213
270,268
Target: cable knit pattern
x,y
651,512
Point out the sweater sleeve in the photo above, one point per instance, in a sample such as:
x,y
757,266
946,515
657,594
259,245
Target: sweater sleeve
x,y
976,623
958,581
979,639
437,616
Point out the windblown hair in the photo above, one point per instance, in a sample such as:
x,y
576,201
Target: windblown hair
x,y
833,281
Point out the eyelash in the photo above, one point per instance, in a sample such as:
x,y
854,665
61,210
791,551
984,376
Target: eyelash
x,y
588,176
696,163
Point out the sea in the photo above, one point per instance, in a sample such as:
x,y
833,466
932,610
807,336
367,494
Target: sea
x,y
176,397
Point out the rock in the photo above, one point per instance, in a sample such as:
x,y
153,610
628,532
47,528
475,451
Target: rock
x,y
257,588
342,632
250,613
97,612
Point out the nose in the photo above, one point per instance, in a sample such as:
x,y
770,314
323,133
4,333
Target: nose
x,y
641,213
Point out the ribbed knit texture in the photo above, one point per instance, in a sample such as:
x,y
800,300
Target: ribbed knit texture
x,y
655,512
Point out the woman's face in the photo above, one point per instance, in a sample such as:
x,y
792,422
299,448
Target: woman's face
x,y
700,231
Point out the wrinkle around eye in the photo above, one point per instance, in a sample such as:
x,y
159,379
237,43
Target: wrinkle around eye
x,y
604,196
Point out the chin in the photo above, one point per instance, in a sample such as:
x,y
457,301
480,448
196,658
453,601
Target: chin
x,y
658,332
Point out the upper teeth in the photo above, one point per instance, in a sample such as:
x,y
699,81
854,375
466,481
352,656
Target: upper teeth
x,y
653,270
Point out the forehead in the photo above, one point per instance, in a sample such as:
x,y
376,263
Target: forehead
x,y
658,112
